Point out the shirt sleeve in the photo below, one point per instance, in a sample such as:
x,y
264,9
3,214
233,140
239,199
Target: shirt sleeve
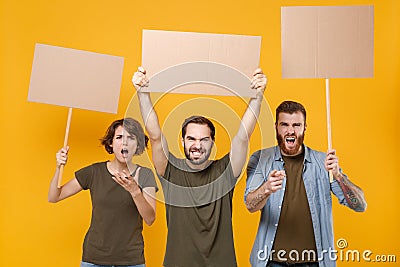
x,y
338,192
85,177
146,178
173,162
255,175
224,166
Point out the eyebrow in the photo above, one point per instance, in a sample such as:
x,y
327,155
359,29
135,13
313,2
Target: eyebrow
x,y
202,138
294,123
127,135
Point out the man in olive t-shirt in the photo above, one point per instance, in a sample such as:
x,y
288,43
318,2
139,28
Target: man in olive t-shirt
x,y
198,191
202,229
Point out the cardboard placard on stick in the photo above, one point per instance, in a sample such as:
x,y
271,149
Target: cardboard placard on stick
x,y
327,42
75,79
165,49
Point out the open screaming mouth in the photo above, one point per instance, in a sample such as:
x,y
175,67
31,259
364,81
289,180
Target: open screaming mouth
x,y
290,140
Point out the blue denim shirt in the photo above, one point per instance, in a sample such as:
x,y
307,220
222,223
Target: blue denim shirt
x,y
318,190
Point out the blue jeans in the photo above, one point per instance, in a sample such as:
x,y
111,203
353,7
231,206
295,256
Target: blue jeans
x,y
87,264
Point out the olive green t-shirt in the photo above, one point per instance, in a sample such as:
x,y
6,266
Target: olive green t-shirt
x,y
295,229
115,233
199,214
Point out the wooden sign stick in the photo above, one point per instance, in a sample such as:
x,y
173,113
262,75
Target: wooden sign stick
x,y
328,120
65,145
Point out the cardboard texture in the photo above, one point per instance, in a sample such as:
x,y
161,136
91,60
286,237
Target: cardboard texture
x,y
327,41
75,78
165,49
209,75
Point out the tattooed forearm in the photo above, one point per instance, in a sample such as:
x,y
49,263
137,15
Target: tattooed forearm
x,y
353,194
256,200
253,202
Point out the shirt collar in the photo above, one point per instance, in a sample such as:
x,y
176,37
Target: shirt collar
x,y
278,155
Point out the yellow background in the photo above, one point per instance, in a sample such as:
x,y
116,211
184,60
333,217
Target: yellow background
x,y
365,120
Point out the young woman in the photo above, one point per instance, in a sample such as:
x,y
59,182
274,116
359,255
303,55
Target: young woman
x,y
122,194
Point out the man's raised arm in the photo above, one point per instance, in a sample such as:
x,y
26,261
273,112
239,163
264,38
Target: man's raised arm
x,y
240,142
159,145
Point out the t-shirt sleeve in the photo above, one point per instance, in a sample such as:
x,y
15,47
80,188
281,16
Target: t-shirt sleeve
x,y
224,167
226,164
173,162
146,178
85,177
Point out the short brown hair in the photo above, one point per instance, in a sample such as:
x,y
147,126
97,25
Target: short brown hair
x,y
198,120
133,127
290,107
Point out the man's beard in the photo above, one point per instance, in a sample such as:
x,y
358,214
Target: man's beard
x,y
282,145
200,160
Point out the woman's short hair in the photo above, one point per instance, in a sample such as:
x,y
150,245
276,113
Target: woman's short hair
x,y
133,127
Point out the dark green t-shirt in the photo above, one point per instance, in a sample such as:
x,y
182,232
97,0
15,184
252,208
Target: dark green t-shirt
x,y
115,233
199,214
295,233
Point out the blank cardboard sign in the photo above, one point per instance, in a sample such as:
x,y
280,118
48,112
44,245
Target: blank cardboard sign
x,y
165,49
327,41
75,78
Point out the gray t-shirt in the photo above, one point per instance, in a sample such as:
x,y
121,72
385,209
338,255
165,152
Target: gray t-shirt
x,y
115,233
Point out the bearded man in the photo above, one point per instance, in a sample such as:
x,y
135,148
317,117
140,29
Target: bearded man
x,y
291,186
198,191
